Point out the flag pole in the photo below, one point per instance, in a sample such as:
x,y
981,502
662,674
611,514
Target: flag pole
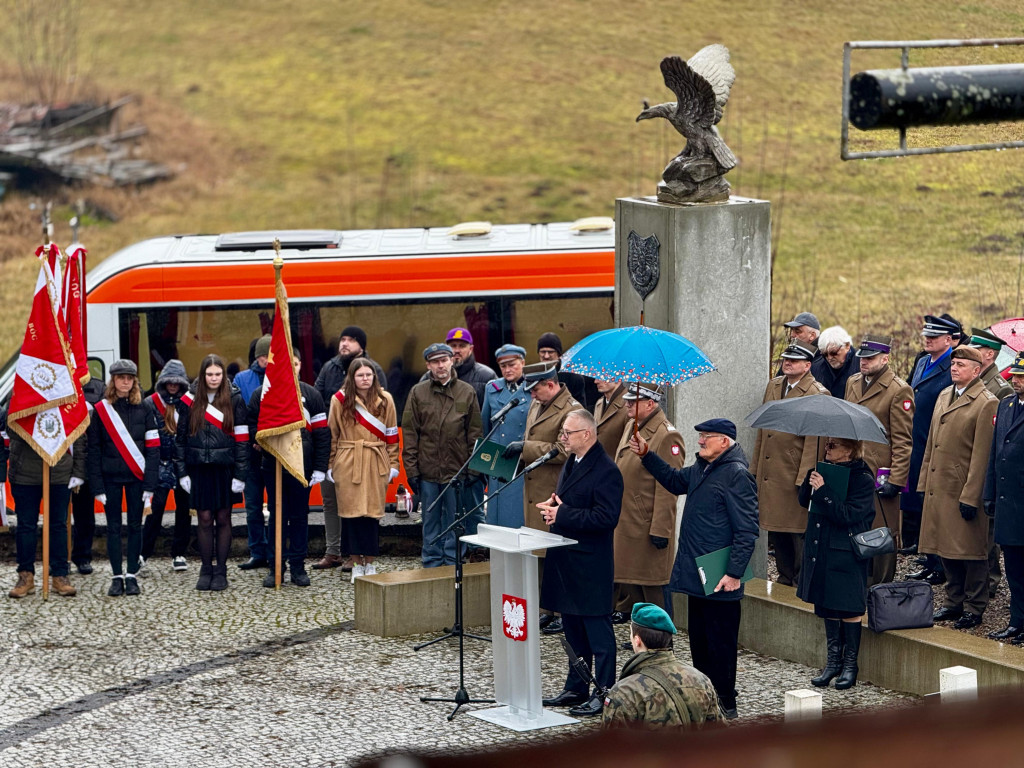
x,y
277,523
46,531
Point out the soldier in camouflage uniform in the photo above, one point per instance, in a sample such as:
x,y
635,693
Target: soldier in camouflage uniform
x,y
655,689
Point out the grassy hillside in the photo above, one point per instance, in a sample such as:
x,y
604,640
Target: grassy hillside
x,y
397,113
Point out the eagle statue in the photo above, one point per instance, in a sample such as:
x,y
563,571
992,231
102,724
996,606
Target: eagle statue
x,y
701,86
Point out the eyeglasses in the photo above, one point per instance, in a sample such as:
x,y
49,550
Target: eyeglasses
x,y
834,352
567,432
705,435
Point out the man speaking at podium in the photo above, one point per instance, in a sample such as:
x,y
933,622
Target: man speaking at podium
x,y
578,579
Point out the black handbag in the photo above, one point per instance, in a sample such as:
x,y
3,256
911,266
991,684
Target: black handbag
x,y
877,541
900,605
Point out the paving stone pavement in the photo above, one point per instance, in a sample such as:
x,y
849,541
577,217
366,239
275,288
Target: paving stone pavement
x,y
256,677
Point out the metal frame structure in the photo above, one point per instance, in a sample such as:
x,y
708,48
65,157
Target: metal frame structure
x,y
905,46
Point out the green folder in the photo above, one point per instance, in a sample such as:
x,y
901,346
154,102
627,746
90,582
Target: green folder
x,y
711,568
488,460
837,479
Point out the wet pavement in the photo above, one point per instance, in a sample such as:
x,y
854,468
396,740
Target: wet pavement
x,y
257,677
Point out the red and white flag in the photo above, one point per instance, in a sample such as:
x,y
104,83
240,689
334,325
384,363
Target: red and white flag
x,y
47,407
73,304
281,420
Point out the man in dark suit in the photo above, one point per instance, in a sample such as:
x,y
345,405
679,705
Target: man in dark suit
x,y
578,579
1004,498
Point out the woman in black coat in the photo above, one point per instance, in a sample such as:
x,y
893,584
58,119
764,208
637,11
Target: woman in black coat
x,y
212,453
831,577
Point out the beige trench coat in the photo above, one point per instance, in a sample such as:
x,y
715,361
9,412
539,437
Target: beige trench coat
x,y
361,462
542,428
953,472
611,419
781,461
891,399
647,508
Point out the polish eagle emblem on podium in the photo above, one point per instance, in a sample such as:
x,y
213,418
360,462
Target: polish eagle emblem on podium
x,y
513,617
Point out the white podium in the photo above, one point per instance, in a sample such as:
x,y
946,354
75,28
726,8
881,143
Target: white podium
x,y
515,634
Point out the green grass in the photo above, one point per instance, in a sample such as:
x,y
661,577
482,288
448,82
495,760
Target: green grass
x,y
344,114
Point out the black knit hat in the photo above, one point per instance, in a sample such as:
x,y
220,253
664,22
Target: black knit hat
x,y
357,333
549,341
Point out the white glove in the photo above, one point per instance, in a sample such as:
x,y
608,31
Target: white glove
x,y
147,498
186,484
102,499
330,475
74,482
237,486
316,478
392,475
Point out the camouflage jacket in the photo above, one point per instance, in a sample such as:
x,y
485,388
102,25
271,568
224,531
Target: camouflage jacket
x,y
640,698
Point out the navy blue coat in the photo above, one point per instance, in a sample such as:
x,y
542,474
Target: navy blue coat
x,y
831,379
578,579
1004,483
926,394
720,511
505,508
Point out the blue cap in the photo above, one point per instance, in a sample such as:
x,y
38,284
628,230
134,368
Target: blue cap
x,y
718,426
437,350
510,350
651,616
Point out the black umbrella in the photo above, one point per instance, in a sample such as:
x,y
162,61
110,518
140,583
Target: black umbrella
x,y
819,415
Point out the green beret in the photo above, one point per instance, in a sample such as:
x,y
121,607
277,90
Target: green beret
x,y
651,616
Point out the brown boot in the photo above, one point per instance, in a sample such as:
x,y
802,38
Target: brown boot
x,y
328,561
62,586
26,584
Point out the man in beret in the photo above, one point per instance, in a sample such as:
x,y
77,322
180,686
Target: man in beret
x,y
952,483
549,350
891,399
720,511
439,428
610,413
781,462
647,525
506,508
655,689
1004,498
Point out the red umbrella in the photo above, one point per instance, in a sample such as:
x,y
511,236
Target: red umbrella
x,y
1011,331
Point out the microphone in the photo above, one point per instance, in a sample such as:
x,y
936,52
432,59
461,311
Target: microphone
x,y
542,460
505,409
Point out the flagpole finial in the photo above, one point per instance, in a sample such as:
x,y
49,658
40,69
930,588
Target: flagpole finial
x,y
278,261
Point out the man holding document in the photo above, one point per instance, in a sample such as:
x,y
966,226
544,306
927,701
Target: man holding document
x,y
720,512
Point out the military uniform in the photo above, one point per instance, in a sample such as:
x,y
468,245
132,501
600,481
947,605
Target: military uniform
x,y
995,383
953,474
891,399
543,423
611,418
659,691
780,464
642,570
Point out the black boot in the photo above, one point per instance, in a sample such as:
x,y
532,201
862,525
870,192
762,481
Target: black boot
x,y
205,577
851,649
834,659
219,581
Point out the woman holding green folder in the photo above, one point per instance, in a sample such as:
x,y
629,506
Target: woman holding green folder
x,y
840,496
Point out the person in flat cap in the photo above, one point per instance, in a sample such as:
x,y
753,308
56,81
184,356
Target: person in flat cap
x,y
891,399
551,403
656,690
952,484
780,464
466,367
506,508
990,345
804,328
1004,499
647,525
930,376
439,428
721,510
549,350
119,475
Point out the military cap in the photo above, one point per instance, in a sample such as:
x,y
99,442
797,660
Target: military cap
x,y
804,318
460,334
435,351
124,367
798,351
262,348
940,326
718,426
532,374
642,390
985,338
872,345
1017,366
510,350
651,616
968,353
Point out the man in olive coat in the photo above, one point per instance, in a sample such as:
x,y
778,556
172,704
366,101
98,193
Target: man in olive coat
x,y
891,399
952,481
781,462
610,414
647,526
1004,498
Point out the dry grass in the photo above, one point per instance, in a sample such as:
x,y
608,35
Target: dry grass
x,y
288,114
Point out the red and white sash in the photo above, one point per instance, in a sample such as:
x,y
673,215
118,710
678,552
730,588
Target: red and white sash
x,y
122,438
371,423
161,407
215,417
